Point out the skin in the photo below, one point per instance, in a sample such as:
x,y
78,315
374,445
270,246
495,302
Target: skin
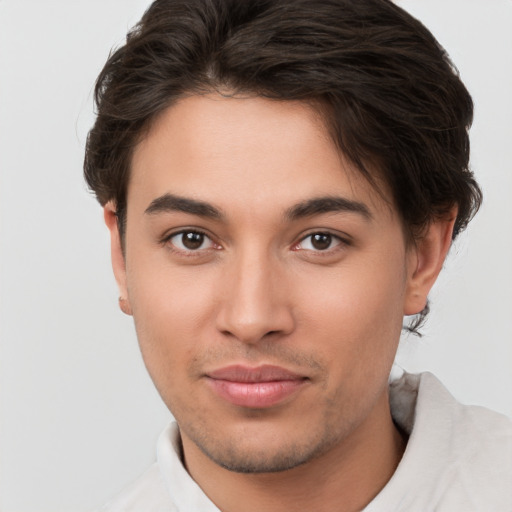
x,y
257,290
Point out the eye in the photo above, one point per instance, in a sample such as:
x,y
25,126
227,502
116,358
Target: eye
x,y
190,241
318,242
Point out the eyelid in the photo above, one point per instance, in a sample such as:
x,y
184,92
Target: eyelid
x,y
343,240
166,241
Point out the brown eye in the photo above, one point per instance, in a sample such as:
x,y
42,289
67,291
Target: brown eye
x,y
191,241
318,242
321,241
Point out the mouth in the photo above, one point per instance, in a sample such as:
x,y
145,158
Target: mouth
x,y
256,388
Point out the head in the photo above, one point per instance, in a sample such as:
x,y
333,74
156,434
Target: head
x,y
217,120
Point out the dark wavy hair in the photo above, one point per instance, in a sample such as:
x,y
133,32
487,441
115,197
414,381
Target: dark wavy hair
x,y
390,96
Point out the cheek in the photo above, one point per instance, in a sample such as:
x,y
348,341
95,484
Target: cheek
x,y
357,312
166,295
170,309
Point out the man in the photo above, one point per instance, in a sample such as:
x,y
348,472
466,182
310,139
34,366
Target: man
x,y
282,181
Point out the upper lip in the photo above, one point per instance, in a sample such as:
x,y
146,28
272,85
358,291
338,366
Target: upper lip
x,y
263,373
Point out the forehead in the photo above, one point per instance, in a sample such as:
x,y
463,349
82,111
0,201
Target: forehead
x,y
243,153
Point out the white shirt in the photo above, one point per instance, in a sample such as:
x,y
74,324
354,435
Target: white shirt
x,y
458,458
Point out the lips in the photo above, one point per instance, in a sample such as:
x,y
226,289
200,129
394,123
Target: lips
x,y
260,387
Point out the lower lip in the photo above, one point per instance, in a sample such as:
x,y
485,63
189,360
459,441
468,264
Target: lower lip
x,y
256,395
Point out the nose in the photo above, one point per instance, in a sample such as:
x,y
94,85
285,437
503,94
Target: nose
x,y
255,303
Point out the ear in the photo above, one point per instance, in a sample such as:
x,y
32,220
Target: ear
x,y
118,261
425,261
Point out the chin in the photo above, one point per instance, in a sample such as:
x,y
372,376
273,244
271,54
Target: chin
x,y
263,455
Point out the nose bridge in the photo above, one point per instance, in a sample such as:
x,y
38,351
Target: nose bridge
x,y
253,304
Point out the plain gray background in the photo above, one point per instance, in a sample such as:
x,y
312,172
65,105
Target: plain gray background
x,y
79,417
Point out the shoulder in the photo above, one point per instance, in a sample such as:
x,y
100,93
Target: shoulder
x,y
458,457
147,493
470,424
419,400
165,486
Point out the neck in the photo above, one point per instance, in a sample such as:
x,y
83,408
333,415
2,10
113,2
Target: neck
x,y
346,478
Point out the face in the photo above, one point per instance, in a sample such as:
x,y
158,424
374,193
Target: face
x,y
267,281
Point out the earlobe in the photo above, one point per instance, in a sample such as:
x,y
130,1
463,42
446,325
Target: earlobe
x,y
426,260
118,261
124,306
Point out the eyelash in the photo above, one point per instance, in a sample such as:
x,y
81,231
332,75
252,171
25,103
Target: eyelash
x,y
166,240
340,244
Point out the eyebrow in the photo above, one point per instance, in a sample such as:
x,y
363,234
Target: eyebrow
x,y
172,203
168,203
327,204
